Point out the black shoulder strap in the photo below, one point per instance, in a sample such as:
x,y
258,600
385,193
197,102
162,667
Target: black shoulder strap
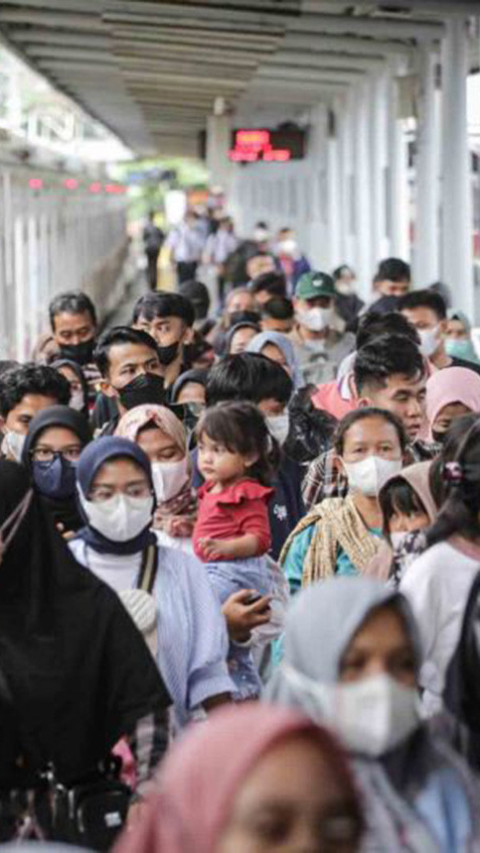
x,y
148,569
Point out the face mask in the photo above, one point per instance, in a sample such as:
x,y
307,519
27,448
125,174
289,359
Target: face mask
x,y
369,475
80,353
243,317
12,444
168,354
77,400
120,518
147,388
345,288
315,319
460,349
169,478
429,341
287,247
55,479
13,522
371,716
279,426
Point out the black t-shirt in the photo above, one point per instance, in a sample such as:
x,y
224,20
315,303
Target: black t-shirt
x,y
461,362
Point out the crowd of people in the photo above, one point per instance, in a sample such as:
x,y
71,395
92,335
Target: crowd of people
x,y
240,563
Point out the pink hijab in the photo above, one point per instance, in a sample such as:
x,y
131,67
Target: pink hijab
x,y
204,770
451,385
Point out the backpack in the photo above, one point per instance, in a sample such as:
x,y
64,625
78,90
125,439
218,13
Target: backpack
x,y
462,683
141,603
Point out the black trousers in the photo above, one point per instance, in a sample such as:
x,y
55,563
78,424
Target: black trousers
x,y
186,270
152,258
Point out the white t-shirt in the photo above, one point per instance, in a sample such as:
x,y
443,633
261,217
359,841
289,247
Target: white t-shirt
x,y
437,586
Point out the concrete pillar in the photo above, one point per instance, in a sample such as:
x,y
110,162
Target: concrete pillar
x,y
427,236
348,180
363,208
398,214
380,244
335,218
218,146
456,241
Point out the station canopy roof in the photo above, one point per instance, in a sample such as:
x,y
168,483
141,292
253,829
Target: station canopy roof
x,y
152,71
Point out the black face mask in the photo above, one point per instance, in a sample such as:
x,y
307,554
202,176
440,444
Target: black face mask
x,y
438,437
243,317
168,354
80,353
148,388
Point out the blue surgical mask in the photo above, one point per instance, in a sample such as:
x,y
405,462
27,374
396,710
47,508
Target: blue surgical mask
x,y
461,349
55,479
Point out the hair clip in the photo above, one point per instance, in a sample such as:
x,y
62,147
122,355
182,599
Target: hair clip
x,y
453,472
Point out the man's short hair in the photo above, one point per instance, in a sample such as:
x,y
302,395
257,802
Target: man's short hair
x,y
384,357
26,379
424,299
117,336
71,302
273,282
248,376
393,269
278,308
163,304
372,325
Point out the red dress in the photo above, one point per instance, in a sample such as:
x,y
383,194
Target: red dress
x,y
235,511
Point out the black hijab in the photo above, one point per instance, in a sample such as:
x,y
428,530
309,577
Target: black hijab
x,y
63,510
77,670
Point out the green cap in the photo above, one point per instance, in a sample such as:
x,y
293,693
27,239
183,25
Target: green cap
x,y
313,284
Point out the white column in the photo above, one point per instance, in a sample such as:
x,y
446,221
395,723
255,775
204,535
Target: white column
x,y
380,246
348,180
427,236
335,218
365,267
398,214
457,249
218,146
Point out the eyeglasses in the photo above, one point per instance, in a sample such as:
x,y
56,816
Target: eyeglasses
x,y
46,454
132,490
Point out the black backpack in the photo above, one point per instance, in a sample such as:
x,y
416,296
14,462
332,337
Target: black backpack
x,y
462,684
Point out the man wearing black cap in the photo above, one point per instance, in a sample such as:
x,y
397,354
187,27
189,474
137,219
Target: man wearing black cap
x,y
318,337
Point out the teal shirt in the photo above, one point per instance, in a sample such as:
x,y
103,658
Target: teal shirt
x,y
293,565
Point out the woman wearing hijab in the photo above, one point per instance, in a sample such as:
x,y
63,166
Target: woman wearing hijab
x,y
419,796
279,348
75,670
451,393
54,442
252,778
116,496
458,337
239,337
162,437
78,384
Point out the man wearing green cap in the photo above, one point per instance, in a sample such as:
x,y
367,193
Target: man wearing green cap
x,y
319,335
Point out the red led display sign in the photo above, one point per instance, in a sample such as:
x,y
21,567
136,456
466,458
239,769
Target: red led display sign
x,y
250,145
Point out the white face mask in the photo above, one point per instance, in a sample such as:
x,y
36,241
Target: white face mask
x,y
287,247
120,518
279,426
12,444
169,478
429,341
345,288
369,475
371,716
315,319
77,400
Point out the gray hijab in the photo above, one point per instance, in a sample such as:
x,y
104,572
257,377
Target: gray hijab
x,y
320,626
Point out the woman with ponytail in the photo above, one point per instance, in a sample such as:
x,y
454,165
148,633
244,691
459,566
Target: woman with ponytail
x,y
438,583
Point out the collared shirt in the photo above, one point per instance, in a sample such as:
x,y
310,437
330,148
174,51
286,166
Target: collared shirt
x,y
186,244
326,478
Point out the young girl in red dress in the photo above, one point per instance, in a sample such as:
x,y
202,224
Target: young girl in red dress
x,y
232,532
